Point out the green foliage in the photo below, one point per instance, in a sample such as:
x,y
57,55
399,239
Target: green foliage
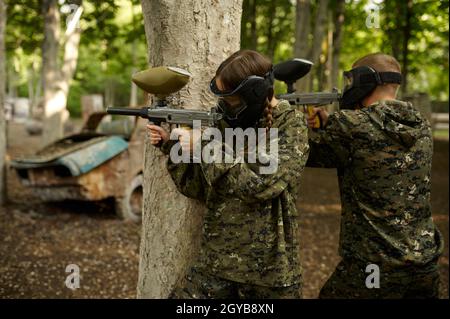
x,y
427,62
113,41
274,28
24,26
427,45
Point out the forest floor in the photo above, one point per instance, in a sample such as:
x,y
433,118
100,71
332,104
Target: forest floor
x,y
40,240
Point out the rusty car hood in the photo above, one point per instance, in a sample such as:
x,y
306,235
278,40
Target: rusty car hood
x,y
78,156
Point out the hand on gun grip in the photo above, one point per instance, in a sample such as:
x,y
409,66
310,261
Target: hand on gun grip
x,y
317,117
157,134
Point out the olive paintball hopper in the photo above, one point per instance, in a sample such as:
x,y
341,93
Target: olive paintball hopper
x,y
161,82
292,70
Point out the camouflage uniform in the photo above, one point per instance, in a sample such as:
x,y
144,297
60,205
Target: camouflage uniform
x,y
383,156
250,229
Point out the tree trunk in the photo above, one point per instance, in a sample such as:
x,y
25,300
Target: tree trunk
x,y
253,33
319,30
318,36
133,91
270,32
2,102
302,32
34,91
337,41
329,62
50,72
302,28
392,10
405,50
55,82
306,83
172,222
12,79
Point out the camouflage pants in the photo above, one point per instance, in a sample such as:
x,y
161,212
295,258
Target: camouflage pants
x,y
349,282
201,285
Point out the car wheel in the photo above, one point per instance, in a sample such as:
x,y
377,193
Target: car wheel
x,y
129,207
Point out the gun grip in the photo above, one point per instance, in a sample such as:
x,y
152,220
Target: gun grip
x,y
317,121
159,124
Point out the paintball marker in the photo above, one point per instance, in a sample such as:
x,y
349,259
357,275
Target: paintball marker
x,y
163,81
293,70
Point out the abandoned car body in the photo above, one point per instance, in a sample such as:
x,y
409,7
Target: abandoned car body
x,y
104,160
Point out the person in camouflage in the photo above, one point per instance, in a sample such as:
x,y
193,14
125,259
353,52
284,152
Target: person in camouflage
x,y
382,149
250,234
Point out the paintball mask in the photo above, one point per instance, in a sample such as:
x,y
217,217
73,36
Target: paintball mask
x,y
252,92
361,81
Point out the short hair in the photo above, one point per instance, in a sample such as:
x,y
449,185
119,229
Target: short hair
x,y
380,62
240,65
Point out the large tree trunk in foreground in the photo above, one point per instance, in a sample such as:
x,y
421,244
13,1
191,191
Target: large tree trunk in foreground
x,y
2,101
195,35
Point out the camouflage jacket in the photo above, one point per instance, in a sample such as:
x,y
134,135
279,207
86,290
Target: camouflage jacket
x,y
250,228
383,155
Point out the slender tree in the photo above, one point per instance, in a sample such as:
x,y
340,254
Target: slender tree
x,y
302,28
57,76
337,40
407,29
319,33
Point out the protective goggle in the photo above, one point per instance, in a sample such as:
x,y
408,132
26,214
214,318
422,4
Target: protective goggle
x,y
364,75
230,112
246,83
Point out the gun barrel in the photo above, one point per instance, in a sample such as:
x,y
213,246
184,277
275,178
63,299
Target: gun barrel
x,y
127,111
169,115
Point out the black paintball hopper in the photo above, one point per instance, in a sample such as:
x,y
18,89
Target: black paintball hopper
x,y
291,71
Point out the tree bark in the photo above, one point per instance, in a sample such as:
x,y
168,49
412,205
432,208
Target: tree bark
x,y
195,35
2,102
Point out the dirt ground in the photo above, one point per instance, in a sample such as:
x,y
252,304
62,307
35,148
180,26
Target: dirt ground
x,y
40,240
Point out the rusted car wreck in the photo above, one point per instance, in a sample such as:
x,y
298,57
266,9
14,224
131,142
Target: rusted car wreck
x,y
104,160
